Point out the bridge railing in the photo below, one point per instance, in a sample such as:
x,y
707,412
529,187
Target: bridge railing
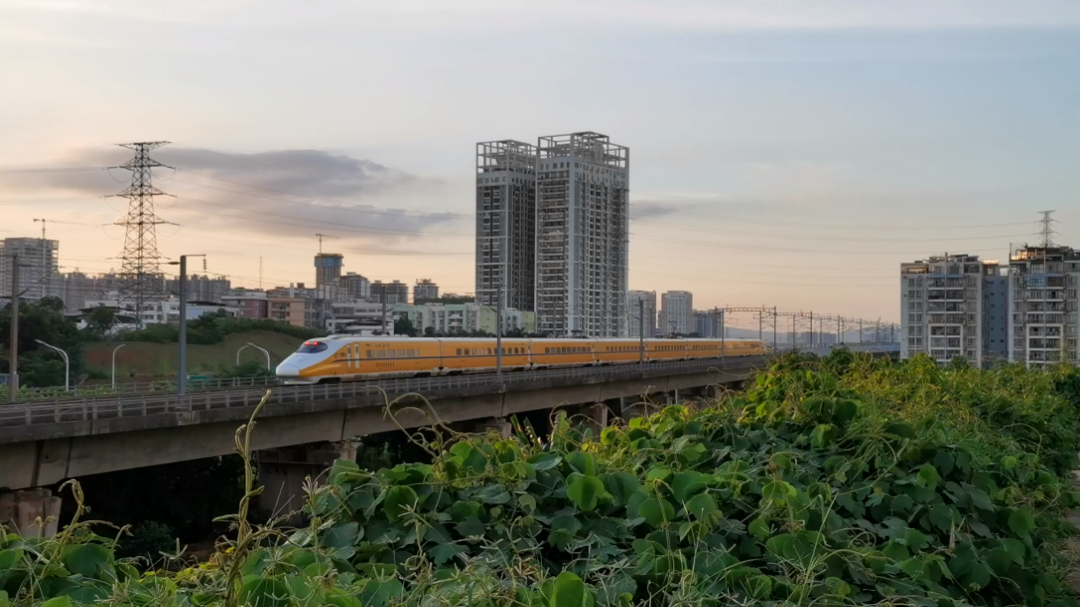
x,y
80,393
373,393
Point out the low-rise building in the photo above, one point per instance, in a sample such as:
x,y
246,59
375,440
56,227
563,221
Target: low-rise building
x,y
452,319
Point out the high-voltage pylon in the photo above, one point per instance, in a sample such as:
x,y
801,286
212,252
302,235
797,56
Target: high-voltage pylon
x,y
141,279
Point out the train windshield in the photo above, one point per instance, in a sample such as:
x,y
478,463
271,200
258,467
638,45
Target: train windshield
x,y
311,347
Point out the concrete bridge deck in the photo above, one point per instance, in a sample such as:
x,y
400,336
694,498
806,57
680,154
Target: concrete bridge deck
x,y
43,443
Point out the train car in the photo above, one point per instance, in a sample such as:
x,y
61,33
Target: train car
x,y
550,353
348,358
702,348
665,349
618,351
478,355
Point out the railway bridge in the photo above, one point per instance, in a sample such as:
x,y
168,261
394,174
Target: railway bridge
x,y
303,428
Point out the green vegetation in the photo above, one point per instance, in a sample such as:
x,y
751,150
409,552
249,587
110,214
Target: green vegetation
x,y
44,320
838,481
213,341
449,298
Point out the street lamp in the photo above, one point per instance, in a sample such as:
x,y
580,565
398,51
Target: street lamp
x,y
182,383
67,361
263,350
114,364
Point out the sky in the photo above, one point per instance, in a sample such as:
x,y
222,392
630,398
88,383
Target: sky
x,y
787,153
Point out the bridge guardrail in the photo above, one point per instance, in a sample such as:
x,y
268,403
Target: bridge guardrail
x,y
80,393
31,413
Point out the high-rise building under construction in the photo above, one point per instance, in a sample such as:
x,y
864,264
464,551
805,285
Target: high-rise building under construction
x,y
582,235
506,223
552,231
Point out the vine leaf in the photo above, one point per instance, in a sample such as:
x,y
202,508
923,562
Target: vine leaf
x,y
584,492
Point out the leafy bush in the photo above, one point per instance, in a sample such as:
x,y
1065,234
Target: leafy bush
x,y
148,539
829,482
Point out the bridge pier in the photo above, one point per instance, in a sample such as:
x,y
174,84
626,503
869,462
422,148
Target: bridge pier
x,y
499,424
283,472
20,511
596,416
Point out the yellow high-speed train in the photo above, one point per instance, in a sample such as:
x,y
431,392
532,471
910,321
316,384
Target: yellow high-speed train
x,y
347,358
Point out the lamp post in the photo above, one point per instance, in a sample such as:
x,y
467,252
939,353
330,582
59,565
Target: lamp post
x,y
114,364
67,362
13,344
182,338
498,337
263,350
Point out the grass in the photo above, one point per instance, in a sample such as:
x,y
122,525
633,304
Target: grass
x,y
144,361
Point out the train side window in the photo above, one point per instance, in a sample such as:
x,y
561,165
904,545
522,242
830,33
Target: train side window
x,y
369,354
401,353
380,354
459,351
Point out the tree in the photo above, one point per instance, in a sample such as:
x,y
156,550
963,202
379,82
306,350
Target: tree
x,y
101,320
404,326
448,299
429,332
43,319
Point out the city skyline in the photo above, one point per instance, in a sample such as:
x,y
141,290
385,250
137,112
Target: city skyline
x,y
774,164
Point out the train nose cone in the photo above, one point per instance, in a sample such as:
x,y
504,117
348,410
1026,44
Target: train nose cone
x,y
288,369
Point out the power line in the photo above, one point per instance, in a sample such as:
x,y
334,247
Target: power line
x,y
824,226
56,170
745,247
826,238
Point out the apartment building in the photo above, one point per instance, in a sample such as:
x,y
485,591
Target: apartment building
x,y
38,267
677,313
582,235
395,292
425,290
448,319
328,268
506,223
354,286
641,312
951,307
1043,305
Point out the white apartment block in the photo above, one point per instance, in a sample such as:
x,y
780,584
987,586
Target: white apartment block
x,y
952,306
641,310
1043,304
38,267
506,223
582,235
449,319
677,313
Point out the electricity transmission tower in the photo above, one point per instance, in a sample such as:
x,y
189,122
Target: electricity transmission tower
x,y
140,275
1047,231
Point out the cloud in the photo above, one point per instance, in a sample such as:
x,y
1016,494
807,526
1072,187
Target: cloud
x,y
646,210
283,193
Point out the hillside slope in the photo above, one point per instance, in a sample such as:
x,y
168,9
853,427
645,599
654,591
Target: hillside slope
x,y
143,361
